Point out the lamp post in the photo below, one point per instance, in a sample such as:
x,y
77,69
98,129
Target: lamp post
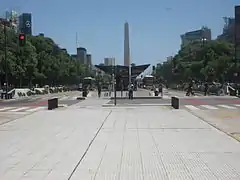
x,y
5,55
204,55
115,83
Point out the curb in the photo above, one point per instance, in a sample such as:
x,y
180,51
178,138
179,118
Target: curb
x,y
80,98
62,105
136,105
146,97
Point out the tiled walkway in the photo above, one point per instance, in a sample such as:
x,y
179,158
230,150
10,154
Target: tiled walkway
x,y
144,143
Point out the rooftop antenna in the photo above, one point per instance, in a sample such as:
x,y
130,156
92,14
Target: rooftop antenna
x,y
76,40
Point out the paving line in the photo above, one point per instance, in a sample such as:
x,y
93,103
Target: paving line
x,y
62,105
227,106
191,107
35,109
19,109
209,107
7,108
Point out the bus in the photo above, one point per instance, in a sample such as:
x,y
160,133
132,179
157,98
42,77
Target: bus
x,y
148,82
89,82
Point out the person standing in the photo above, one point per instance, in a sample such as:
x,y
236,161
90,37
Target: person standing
x,y
99,90
110,89
161,89
205,88
130,91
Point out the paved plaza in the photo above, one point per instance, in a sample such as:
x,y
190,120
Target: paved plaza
x,y
128,143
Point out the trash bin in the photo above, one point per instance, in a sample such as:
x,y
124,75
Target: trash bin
x,y
84,93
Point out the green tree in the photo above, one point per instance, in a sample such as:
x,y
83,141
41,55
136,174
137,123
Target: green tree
x,y
41,62
210,60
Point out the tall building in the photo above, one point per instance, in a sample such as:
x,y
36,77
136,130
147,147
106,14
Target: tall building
x,y
10,20
12,17
228,30
25,23
109,61
126,45
3,22
202,34
82,55
74,57
89,61
237,38
237,25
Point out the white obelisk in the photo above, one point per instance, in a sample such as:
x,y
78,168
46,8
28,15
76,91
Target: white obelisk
x,y
127,50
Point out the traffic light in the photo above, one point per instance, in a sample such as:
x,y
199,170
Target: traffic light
x,y
22,39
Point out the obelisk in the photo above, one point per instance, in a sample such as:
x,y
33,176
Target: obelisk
x,y
127,49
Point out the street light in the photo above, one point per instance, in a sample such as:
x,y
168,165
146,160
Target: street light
x,y
5,54
204,55
114,70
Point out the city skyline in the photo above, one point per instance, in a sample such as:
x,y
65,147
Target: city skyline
x,y
154,33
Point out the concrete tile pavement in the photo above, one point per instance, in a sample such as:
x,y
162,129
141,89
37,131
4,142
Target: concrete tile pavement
x,y
169,145
226,120
46,143
117,143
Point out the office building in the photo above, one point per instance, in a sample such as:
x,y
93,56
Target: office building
x,y
109,61
82,55
228,30
25,23
89,61
10,20
41,34
64,50
237,39
3,22
74,57
199,35
126,45
12,17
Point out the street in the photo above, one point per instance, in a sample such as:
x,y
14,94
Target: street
x,y
186,102
39,102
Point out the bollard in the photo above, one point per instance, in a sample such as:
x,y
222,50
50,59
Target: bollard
x,y
175,102
52,103
84,93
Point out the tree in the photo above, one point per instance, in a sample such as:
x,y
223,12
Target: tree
x,y
41,61
210,60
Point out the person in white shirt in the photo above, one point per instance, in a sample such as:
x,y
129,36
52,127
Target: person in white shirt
x,y
130,91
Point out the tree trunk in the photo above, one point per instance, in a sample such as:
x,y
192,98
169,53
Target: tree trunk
x,y
20,81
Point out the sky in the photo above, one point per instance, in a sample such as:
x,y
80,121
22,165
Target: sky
x,y
155,25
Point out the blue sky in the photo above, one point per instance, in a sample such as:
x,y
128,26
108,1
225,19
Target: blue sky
x,y
155,25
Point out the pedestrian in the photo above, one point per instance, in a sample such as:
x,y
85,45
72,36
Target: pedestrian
x,y
110,89
99,90
205,88
130,91
161,89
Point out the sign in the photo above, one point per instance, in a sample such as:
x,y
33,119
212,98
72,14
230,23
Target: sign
x,y
28,24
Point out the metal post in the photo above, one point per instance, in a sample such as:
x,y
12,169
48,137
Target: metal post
x,y
236,43
115,83
130,74
5,54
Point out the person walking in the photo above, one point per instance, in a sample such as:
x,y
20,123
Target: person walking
x,y
99,90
